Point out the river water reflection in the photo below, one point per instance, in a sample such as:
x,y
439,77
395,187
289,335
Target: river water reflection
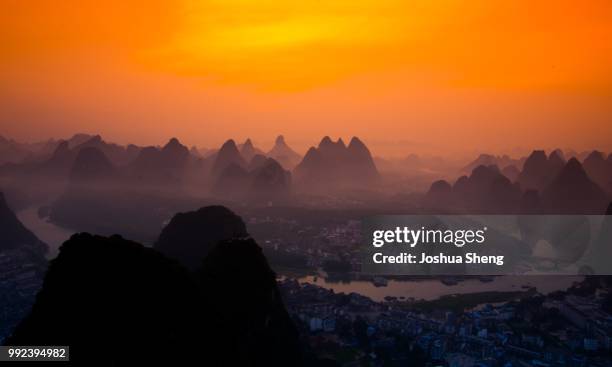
x,y
429,289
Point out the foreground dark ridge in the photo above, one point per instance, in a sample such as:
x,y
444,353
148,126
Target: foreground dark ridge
x,y
140,306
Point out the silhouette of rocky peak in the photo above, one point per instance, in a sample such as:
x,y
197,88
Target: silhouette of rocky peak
x,y
271,178
539,170
248,150
190,236
195,152
326,141
440,186
14,234
132,149
440,195
266,181
243,291
257,161
560,153
485,174
555,160
60,161
311,153
283,154
175,147
595,156
333,149
228,313
280,140
357,145
148,153
96,139
485,159
333,162
155,165
78,139
62,149
511,172
91,164
599,169
98,285
229,147
573,192
231,182
227,155
173,143
461,184
572,173
535,160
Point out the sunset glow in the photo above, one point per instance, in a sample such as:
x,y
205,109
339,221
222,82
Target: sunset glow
x,y
438,75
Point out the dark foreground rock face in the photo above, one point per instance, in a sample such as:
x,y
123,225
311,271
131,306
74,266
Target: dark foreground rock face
x,y
190,236
240,288
112,292
116,302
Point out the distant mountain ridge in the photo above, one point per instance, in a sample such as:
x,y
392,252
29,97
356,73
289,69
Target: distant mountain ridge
x,y
283,154
332,163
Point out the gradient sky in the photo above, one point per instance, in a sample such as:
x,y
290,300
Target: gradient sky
x,y
424,76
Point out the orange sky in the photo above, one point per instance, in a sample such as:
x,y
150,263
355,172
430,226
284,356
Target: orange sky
x,y
425,76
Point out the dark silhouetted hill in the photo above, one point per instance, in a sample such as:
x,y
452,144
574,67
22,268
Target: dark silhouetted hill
x,y
248,150
241,289
511,172
333,163
491,160
226,156
154,165
268,182
599,170
573,192
103,290
486,190
117,154
109,290
440,195
539,170
60,163
12,151
91,165
256,162
283,154
232,182
190,236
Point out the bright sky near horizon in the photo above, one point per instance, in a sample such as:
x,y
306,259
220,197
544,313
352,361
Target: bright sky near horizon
x,y
422,76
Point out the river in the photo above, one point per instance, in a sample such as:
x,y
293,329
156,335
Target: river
x,y
54,236
433,289
47,232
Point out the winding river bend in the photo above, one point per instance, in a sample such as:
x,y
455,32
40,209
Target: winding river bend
x,y
47,232
429,289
